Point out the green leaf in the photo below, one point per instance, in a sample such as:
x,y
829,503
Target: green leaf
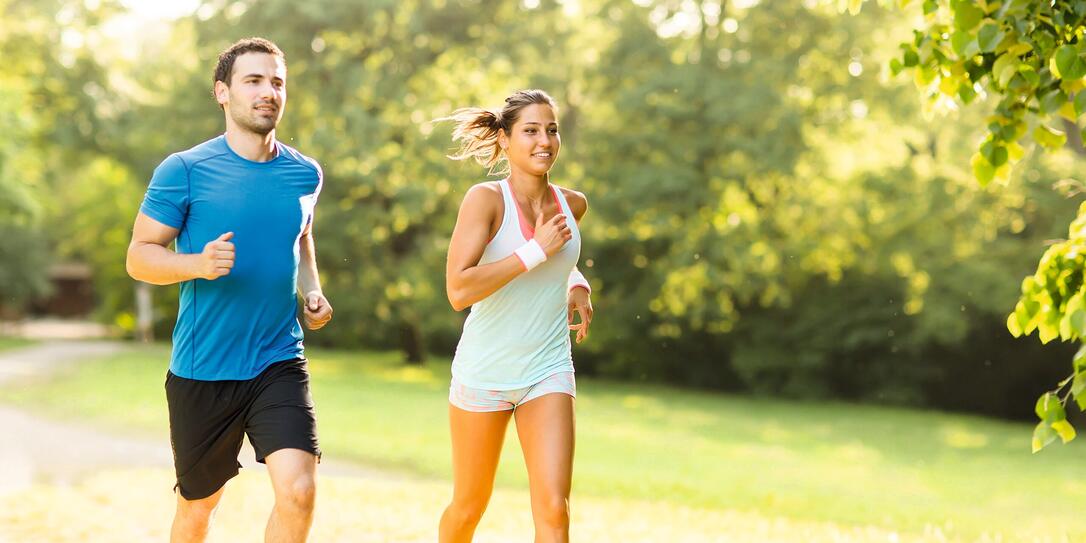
x,y
1043,435
1047,332
995,154
948,85
1078,322
1030,286
1078,383
1001,132
896,66
1080,102
1053,139
1012,325
1078,386
1064,429
1052,101
1004,69
1049,408
910,58
964,44
1068,63
982,170
1027,310
967,16
1023,317
1015,151
966,93
1019,49
1029,74
1079,359
989,37
1074,305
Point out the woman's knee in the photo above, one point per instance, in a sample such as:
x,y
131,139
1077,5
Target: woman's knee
x,y
552,510
467,511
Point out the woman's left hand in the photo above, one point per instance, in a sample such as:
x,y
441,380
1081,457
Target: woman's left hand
x,y
580,302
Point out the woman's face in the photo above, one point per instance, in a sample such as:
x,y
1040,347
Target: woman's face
x,y
532,146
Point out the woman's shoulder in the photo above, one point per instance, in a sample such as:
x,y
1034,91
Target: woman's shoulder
x,y
486,195
578,202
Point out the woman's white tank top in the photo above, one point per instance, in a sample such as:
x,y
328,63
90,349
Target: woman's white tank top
x,y
519,335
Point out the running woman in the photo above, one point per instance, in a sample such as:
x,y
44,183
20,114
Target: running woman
x,y
512,259
240,208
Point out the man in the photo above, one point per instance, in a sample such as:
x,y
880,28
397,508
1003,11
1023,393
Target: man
x,y
240,208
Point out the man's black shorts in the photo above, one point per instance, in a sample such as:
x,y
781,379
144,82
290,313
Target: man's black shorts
x,y
208,420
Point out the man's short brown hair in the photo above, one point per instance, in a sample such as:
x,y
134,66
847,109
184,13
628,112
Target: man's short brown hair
x,y
224,70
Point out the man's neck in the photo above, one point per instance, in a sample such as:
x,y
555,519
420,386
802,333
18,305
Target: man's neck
x,y
250,145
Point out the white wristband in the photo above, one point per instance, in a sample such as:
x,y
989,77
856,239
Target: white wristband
x,y
531,254
576,279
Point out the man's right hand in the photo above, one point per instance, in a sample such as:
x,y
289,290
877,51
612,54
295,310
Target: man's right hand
x,y
217,258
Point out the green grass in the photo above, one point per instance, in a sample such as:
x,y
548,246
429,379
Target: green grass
x,y
13,343
900,470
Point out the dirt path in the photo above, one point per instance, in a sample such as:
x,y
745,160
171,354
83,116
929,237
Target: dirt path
x,y
37,449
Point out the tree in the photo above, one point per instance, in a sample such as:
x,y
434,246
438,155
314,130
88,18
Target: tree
x,y
1032,57
47,128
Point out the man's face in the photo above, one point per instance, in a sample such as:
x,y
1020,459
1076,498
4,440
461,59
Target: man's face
x,y
257,93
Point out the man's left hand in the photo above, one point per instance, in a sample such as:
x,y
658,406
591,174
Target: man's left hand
x,y
317,310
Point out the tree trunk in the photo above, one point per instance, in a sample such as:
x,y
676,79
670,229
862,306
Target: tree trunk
x,y
145,316
1074,137
411,341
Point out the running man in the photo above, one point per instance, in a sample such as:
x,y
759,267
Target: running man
x,y
514,358
240,209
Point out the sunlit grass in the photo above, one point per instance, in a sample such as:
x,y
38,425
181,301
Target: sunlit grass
x,y
7,342
379,510
751,460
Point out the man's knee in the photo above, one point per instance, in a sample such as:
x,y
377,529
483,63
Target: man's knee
x,y
299,494
197,512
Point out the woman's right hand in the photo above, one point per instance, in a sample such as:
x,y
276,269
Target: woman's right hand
x,y
551,235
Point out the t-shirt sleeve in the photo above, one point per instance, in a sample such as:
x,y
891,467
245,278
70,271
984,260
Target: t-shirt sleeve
x,y
316,192
320,180
167,198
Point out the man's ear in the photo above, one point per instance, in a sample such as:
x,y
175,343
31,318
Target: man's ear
x,y
222,93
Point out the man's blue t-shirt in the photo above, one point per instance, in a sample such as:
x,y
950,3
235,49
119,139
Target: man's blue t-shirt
x,y
234,327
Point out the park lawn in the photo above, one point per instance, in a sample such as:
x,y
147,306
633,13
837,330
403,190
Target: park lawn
x,y
378,509
917,473
7,342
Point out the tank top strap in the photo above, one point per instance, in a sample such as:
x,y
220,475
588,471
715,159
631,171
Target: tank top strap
x,y
561,198
510,209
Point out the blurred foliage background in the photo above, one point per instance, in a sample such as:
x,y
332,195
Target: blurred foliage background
x,y
771,209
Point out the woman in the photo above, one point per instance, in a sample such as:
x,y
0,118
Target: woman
x,y
524,289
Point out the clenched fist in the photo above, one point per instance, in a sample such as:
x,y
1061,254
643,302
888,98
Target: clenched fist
x,y
553,234
217,258
317,310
